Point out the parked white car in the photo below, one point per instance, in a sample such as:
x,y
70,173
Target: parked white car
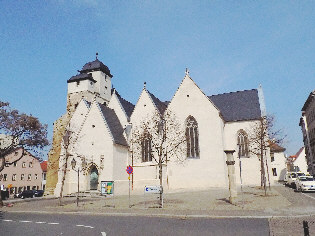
x,y
305,183
292,177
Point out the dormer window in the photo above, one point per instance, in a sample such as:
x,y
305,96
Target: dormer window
x,y
78,83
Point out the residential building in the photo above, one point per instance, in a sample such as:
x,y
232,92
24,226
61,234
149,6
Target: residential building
x,y
43,165
307,123
95,135
278,162
22,171
298,162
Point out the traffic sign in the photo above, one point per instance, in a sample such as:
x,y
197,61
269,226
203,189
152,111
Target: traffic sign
x,y
129,170
153,189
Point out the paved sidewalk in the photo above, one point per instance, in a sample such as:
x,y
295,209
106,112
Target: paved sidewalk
x,y
285,209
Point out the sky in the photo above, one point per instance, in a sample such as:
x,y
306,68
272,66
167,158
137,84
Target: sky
x,y
226,45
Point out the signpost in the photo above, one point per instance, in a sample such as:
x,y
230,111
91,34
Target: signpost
x,y
152,190
129,171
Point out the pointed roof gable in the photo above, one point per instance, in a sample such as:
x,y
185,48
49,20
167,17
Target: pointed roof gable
x,y
114,125
161,106
127,106
186,78
238,106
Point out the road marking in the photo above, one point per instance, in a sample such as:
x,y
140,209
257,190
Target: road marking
x,y
103,233
53,223
40,222
25,221
87,226
8,220
80,225
308,195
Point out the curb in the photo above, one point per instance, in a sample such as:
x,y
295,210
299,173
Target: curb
x,y
165,215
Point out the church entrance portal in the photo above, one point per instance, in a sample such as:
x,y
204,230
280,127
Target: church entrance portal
x,y
93,178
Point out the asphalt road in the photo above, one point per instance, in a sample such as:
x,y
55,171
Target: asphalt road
x,y
70,224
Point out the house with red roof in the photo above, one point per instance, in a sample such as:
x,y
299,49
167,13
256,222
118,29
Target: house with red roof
x,y
297,162
43,165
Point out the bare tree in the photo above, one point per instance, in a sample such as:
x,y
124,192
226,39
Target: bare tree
x,y
160,138
262,135
20,131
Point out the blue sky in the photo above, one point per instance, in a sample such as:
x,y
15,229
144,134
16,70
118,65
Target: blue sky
x,y
227,46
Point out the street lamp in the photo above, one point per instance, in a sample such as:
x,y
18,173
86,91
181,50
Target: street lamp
x,y
73,164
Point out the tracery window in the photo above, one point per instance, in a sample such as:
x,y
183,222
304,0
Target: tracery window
x,y
146,148
242,142
192,137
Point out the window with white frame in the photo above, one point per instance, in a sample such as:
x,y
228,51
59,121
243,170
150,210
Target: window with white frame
x,y
242,142
5,177
24,165
36,176
192,138
31,164
22,177
29,177
14,177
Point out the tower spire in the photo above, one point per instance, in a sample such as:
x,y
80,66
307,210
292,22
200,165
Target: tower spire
x,y
96,55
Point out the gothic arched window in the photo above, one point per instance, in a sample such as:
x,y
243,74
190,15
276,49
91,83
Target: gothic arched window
x,y
146,148
192,137
242,142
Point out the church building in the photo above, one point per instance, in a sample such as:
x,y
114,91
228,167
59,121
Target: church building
x,y
93,140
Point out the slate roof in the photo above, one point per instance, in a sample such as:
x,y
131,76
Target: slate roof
x,y
79,77
128,106
161,106
114,125
95,66
238,106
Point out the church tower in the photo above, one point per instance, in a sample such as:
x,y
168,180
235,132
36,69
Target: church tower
x,y
92,82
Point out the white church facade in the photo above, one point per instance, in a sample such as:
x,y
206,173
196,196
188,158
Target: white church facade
x,y
102,122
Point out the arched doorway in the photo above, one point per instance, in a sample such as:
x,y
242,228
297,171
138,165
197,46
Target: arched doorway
x,y
93,178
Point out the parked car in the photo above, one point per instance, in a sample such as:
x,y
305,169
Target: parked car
x,y
27,194
305,183
292,177
39,193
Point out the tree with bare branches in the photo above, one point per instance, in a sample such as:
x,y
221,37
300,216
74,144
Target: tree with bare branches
x,y
20,130
160,139
262,135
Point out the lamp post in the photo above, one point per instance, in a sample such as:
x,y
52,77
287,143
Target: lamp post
x,y
73,164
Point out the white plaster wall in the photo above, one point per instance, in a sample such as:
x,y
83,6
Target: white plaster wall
x,y
301,162
120,158
145,173
83,85
280,164
103,85
210,169
250,166
91,143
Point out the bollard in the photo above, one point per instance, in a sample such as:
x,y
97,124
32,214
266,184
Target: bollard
x,y
306,229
